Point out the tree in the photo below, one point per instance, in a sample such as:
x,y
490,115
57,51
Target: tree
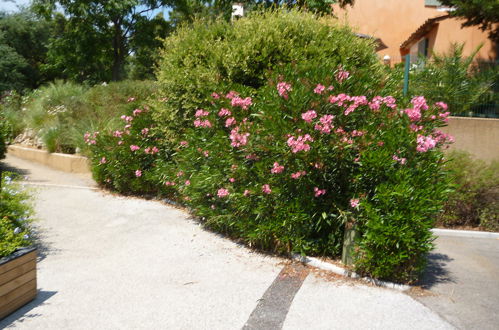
x,y
484,13
23,45
95,34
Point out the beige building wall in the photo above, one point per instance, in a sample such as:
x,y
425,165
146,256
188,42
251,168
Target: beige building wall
x,y
395,20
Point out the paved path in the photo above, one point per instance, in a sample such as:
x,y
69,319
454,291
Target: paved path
x,y
110,262
463,277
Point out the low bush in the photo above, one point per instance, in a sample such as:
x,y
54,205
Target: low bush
x,y
291,167
15,216
3,135
475,200
61,112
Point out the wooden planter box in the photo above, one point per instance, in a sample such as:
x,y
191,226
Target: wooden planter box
x,y
17,280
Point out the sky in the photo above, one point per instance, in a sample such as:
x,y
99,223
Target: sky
x,y
12,5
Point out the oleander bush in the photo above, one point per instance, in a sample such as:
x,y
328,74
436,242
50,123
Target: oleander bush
x,y
15,216
475,199
4,131
289,168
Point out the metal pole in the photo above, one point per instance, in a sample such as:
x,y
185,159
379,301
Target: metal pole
x,y
406,74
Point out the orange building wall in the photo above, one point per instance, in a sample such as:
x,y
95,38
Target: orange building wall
x,y
395,20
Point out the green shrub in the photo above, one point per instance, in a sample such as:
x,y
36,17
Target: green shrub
x,y
210,56
3,135
61,112
475,200
11,108
124,159
278,175
15,213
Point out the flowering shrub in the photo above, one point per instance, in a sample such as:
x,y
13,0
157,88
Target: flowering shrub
x,y
15,213
290,168
124,159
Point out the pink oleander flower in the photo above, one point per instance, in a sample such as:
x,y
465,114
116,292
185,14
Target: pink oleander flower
x,y
309,116
442,105
325,124
215,96
120,142
103,160
419,103
319,89
232,180
358,133
230,95
128,119
341,75
138,173
230,122
224,112
180,173
277,168
237,138
414,114
252,157
222,192
202,123
201,113
134,147
300,143
381,143
318,192
240,102
298,174
131,99
442,137
283,88
184,143
400,160
154,150
117,134
137,112
145,131
206,153
376,103
246,192
187,182
425,143
169,183
415,128
354,202
147,150
266,189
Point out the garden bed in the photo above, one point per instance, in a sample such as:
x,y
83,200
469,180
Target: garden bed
x,y
17,280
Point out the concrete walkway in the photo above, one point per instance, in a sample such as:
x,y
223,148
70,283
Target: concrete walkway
x,y
110,262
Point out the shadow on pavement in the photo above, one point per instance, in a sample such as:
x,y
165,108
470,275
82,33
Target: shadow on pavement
x,y
6,168
24,312
436,271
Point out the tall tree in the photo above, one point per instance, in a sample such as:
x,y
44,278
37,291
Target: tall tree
x,y
96,32
482,13
23,44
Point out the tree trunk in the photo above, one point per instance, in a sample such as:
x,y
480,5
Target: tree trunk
x,y
119,51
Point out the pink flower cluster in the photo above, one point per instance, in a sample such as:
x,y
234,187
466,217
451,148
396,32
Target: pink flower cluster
x,y
341,75
240,102
419,102
238,139
442,137
138,173
266,189
309,116
319,89
128,119
378,101
137,112
222,192
224,112
169,183
145,131
151,151
318,192
201,113
131,99
354,202
230,122
230,95
202,123
298,174
215,96
277,168
184,143
103,160
425,143
342,99
283,88
134,147
325,126
400,160
300,143
414,114
117,134
90,138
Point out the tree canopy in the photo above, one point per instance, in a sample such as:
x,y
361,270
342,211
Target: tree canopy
x,y
482,13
